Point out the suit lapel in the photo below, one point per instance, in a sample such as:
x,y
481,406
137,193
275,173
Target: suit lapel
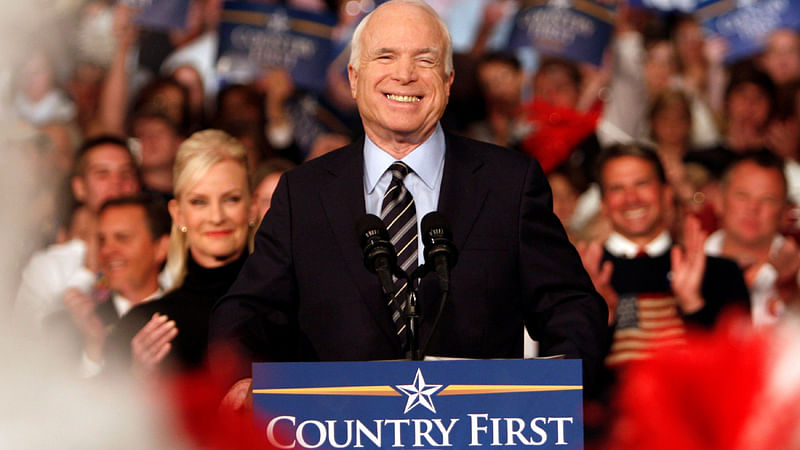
x,y
343,201
463,190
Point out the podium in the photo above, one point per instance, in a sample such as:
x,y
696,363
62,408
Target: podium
x,y
457,404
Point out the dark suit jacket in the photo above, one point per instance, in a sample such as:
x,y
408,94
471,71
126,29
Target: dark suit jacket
x,y
305,294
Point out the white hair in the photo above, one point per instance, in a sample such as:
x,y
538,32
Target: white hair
x,y
356,44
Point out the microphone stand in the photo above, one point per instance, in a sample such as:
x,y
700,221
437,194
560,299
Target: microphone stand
x,y
413,316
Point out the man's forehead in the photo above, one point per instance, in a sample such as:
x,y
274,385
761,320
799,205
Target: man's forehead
x,y
743,176
108,154
393,15
127,215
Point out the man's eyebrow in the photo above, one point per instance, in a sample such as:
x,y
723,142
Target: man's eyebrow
x,y
433,50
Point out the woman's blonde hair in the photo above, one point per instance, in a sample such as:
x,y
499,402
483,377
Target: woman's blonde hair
x,y
195,157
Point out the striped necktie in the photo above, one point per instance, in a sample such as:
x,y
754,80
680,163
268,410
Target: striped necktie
x,y
400,216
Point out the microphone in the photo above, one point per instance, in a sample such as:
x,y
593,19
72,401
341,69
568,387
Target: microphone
x,y
439,248
380,256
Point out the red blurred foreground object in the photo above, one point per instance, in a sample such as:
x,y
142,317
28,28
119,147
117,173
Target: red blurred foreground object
x,y
735,388
195,401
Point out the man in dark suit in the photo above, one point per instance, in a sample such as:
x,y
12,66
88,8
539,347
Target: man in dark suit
x,y
305,294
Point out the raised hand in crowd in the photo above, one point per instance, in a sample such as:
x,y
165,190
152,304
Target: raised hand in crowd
x,y
600,272
113,104
81,309
715,48
494,12
689,266
278,86
152,344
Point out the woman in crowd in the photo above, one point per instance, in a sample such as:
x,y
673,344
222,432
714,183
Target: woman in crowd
x,y
213,223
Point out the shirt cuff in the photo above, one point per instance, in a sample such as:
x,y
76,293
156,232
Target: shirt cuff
x,y
90,368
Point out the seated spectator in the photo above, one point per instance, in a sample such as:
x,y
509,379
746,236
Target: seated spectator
x,y
213,220
781,57
557,126
671,124
158,139
565,197
133,234
168,97
188,76
654,289
38,100
749,105
104,170
783,136
265,180
753,204
500,79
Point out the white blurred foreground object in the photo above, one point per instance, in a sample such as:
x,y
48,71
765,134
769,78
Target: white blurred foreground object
x,y
43,408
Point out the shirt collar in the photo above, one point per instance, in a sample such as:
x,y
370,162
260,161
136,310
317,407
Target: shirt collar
x,y
622,247
123,305
426,160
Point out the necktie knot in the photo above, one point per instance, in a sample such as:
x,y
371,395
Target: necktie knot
x,y
399,170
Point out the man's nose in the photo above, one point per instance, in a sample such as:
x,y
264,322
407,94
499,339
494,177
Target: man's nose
x,y
405,70
631,195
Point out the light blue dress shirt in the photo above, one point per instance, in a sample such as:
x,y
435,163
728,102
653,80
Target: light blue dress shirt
x,y
424,182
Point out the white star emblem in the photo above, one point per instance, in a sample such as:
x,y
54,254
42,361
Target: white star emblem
x,y
419,393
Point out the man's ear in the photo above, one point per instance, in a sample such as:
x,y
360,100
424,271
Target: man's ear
x,y
449,82
352,76
162,249
78,188
253,213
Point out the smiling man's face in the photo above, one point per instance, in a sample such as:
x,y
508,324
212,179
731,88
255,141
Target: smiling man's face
x,y
400,84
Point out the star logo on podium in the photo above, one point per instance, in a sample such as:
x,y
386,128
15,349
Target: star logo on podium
x,y
419,393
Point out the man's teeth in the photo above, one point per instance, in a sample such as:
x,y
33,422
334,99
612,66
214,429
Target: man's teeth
x,y
403,98
114,264
635,213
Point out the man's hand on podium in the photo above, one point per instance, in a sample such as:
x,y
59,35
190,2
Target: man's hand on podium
x,y
239,396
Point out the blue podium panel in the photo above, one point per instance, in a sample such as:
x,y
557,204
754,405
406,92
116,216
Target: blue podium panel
x,y
456,404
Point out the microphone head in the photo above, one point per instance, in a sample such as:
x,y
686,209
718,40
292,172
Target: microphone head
x,y
437,238
374,241
369,228
435,226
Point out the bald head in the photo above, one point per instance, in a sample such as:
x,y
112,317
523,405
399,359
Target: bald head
x,y
391,7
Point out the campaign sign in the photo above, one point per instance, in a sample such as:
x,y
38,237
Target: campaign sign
x,y
455,404
745,24
268,35
160,14
578,30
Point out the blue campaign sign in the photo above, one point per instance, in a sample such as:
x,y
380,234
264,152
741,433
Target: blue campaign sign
x,y
420,404
256,35
574,29
747,23
160,14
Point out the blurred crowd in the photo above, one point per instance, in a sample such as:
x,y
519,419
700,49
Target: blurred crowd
x,y
675,174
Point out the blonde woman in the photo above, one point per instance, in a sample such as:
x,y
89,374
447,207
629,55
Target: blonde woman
x,y
213,221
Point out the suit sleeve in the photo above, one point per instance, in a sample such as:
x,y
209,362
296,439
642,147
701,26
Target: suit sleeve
x,y
562,309
257,317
